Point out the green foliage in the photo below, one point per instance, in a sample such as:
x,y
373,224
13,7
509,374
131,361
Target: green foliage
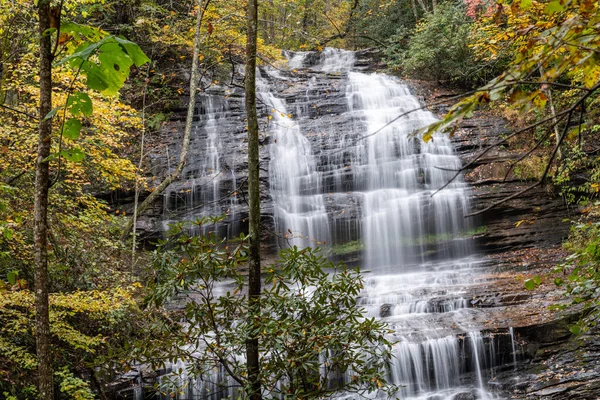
x,y
83,326
310,320
438,48
579,274
556,47
73,388
578,178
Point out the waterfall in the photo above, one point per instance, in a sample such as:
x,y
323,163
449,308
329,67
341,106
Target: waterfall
x,y
346,166
398,174
413,238
299,209
200,193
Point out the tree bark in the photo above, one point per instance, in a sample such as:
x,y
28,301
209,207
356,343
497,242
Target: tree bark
x,y
414,10
252,353
202,4
548,92
40,226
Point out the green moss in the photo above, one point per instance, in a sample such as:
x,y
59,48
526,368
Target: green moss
x,y
356,246
345,248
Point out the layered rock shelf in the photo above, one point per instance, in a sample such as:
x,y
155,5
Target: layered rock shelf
x,y
530,353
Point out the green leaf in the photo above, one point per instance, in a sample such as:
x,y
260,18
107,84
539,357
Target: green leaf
x,y
51,114
73,155
12,277
575,330
72,129
96,80
553,7
558,281
115,56
134,51
8,233
529,284
79,103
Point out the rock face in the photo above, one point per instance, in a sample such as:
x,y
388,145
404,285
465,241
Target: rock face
x,y
522,341
215,174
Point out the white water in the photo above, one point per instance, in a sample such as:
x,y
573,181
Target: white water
x,y
199,193
299,209
393,175
422,266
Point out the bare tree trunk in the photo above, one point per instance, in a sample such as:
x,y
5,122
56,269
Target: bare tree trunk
x,y
305,17
202,4
423,5
414,9
40,213
139,168
252,353
553,111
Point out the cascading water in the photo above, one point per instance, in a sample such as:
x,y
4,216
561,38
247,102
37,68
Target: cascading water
x,y
200,193
332,181
413,241
299,210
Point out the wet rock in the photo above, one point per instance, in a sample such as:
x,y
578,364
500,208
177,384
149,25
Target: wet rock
x,y
385,310
465,396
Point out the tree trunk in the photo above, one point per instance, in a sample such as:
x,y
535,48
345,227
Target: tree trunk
x,y
557,134
40,225
252,354
414,9
202,4
306,16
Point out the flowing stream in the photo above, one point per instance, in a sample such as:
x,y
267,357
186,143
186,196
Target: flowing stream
x,y
361,177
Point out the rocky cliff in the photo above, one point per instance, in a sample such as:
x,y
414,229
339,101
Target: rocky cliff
x,y
519,237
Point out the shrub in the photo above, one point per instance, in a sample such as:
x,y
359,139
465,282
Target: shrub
x,y
438,48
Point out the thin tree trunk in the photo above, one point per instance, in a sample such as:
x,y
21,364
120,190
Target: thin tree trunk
x,y
40,213
423,5
252,353
139,168
202,4
305,17
553,111
414,9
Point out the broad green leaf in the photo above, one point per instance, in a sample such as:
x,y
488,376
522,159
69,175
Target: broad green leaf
x,y
115,58
529,284
134,51
575,330
79,103
73,155
96,79
553,7
72,129
12,277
